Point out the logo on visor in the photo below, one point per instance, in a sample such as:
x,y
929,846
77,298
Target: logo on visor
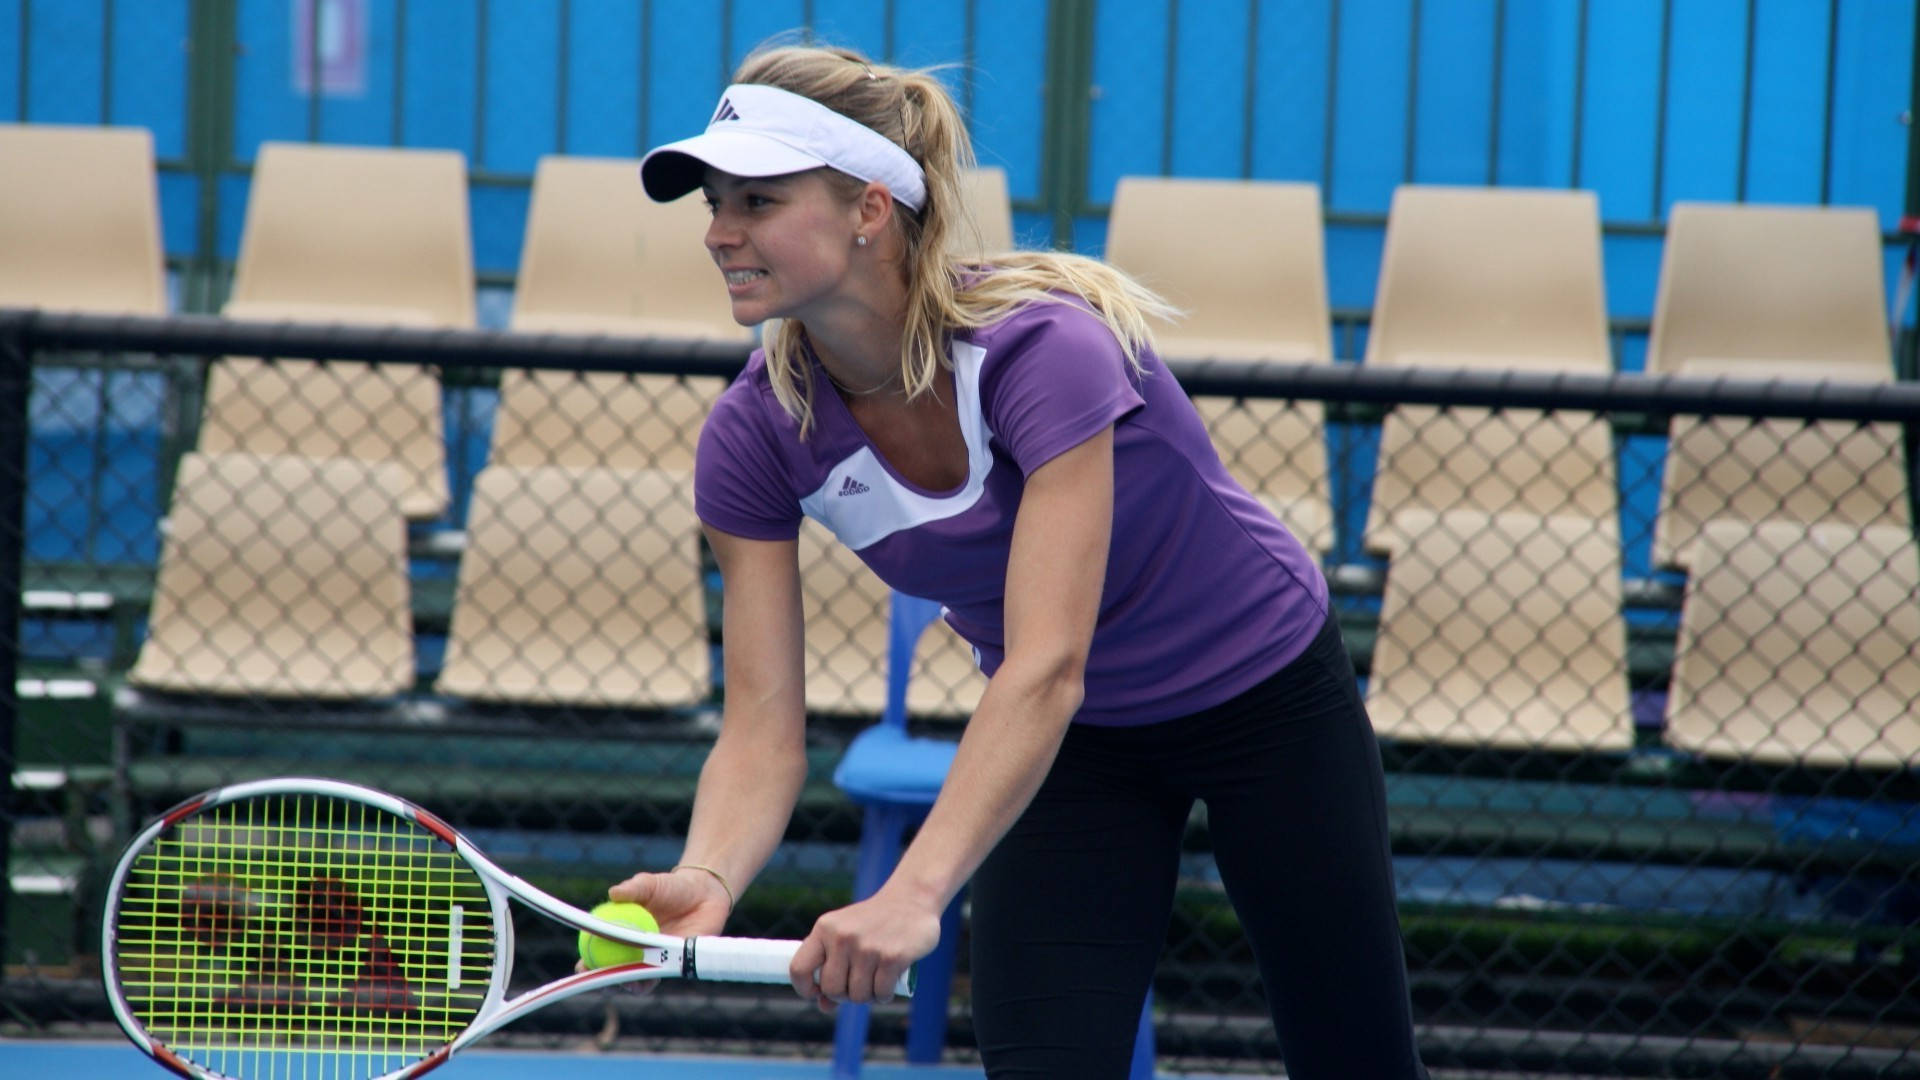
x,y
724,112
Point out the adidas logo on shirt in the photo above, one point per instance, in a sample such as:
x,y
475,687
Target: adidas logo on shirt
x,y
726,111
852,487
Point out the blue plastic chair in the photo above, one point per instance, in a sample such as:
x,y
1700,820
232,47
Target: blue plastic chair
x,y
895,776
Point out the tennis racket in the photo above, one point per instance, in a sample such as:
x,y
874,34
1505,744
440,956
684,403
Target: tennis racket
x,y
297,928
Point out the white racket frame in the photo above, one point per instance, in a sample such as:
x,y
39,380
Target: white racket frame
x,y
724,959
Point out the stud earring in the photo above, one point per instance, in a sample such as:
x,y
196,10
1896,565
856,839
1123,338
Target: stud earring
x,y
860,240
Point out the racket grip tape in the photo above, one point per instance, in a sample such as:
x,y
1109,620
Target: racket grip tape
x,y
754,960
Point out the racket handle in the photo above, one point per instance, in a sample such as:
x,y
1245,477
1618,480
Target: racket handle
x,y
755,960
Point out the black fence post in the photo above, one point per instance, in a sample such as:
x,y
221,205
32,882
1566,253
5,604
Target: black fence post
x,y
15,379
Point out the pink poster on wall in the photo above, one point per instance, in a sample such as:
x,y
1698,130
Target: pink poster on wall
x,y
330,37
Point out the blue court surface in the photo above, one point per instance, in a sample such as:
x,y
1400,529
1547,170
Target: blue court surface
x,y
115,1060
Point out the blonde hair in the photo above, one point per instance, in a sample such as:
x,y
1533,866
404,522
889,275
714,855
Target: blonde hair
x,y
945,291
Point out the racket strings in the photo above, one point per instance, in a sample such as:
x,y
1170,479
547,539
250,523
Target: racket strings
x,y
303,936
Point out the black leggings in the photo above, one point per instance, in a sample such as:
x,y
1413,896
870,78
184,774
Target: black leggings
x,y
1070,911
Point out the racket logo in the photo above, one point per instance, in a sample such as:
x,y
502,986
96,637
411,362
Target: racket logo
x,y
323,955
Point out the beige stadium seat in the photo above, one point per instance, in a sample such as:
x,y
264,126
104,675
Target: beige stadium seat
x,y
598,248
1800,644
1503,631
1777,469
600,257
378,413
1761,284
846,609
358,227
1509,461
1491,278
1496,279
580,587
1243,301
988,228
281,577
368,236
594,418
80,220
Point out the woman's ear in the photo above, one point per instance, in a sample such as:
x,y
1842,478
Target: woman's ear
x,y
876,208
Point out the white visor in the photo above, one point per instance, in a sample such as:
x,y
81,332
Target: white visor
x,y
766,131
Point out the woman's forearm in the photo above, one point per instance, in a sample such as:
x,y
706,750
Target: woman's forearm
x,y
1009,745
746,796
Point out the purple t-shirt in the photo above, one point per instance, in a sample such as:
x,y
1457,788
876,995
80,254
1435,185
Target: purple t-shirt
x,y
1206,592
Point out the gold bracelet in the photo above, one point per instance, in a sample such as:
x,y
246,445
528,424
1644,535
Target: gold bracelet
x,y
724,887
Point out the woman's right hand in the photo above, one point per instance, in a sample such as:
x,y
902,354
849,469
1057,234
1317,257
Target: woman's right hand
x,y
685,902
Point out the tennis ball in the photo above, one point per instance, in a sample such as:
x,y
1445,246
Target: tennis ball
x,y
599,952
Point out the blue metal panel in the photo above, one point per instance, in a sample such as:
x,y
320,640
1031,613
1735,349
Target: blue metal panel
x,y
265,104
1370,105
758,22
63,57
440,98
522,88
934,33
1210,89
1353,268
684,73
1642,461
1294,49
60,494
1453,101
1090,235
1789,102
128,515
12,55
1621,115
1631,264
928,32
499,225
1353,459
1129,107
364,117
853,24
149,59
179,212
1012,56
1874,55
1034,229
1539,65
1706,95
603,73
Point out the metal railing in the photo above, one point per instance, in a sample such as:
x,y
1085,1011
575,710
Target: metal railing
x,y
1626,843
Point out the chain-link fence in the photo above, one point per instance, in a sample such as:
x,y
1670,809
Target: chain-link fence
x,y
1644,656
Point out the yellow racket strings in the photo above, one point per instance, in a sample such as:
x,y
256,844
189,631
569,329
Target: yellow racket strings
x,y
303,937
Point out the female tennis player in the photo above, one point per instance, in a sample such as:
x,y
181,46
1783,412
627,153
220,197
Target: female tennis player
x,y
1001,438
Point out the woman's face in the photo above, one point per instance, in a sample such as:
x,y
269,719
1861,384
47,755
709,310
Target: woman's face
x,y
783,242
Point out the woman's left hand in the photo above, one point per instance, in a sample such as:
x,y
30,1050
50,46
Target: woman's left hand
x,y
857,953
